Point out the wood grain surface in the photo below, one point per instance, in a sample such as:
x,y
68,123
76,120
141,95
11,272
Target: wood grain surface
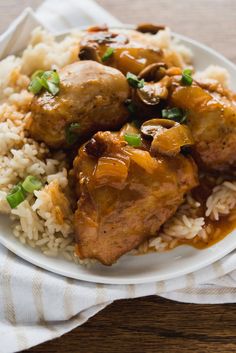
x,y
153,324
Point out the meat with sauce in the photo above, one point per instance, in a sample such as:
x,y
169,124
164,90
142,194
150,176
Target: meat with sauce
x,y
91,95
126,55
125,194
209,110
211,117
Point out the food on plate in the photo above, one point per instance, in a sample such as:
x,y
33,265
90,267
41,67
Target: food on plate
x,y
91,98
208,108
125,193
212,120
112,143
117,50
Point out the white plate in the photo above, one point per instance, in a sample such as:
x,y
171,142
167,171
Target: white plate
x,y
145,268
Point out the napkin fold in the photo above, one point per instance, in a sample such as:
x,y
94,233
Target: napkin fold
x,y
36,305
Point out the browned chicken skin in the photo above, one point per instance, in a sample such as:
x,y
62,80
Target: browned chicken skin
x,y
91,94
125,195
211,117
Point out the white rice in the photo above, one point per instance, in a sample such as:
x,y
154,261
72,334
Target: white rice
x,y
184,225
222,200
214,72
44,221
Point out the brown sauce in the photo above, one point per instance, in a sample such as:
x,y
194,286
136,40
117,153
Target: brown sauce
x,y
216,230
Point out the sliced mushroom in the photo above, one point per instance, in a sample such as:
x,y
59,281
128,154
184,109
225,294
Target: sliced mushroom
x,y
88,52
94,147
104,37
153,72
101,28
152,92
149,28
168,136
154,126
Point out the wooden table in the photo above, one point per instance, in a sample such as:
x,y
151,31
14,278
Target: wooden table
x,y
153,324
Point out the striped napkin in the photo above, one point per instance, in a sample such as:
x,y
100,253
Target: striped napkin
x,y
36,305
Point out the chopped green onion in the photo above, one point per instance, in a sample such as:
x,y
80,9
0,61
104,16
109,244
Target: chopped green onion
x,y
134,81
52,76
172,113
175,114
45,79
31,183
133,139
38,73
109,52
19,192
187,79
16,196
184,119
35,85
71,133
52,88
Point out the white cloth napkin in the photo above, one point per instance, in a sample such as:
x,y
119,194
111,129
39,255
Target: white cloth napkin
x,y
36,305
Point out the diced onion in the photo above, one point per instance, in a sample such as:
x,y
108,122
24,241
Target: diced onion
x,y
170,141
111,171
143,159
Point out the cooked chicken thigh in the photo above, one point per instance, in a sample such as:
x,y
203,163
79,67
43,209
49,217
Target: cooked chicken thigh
x,y
91,95
211,117
125,194
208,109
126,55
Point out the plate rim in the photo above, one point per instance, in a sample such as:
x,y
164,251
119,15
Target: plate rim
x,y
106,280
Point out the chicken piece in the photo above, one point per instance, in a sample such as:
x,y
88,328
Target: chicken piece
x,y
211,117
127,56
91,94
125,194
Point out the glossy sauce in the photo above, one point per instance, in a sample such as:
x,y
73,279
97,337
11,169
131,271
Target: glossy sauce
x,y
216,230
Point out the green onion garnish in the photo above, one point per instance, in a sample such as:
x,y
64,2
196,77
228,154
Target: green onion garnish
x,y
109,52
175,114
37,73
133,139
19,192
71,133
187,79
16,196
31,183
45,79
134,81
35,85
